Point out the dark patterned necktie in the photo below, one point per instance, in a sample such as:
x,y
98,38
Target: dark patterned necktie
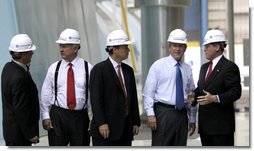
x,y
126,104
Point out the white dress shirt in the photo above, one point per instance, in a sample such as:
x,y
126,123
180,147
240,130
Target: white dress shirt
x,y
48,88
160,85
215,61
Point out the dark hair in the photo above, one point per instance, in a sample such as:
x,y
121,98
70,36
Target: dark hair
x,y
15,55
109,49
222,45
79,47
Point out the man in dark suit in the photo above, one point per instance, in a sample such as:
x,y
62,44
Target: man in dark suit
x,y
20,95
218,88
114,96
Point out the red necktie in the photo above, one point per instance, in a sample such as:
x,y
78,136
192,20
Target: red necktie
x,y
126,104
71,98
210,69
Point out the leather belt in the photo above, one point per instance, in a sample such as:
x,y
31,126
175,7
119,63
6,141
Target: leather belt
x,y
165,105
63,109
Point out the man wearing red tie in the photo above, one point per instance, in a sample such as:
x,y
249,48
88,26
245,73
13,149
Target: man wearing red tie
x,y
64,96
218,88
114,96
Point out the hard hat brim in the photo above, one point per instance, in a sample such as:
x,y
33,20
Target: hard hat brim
x,y
23,50
65,42
208,42
118,44
177,41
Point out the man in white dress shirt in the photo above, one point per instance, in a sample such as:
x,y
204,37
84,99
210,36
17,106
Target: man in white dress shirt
x,y
169,124
64,95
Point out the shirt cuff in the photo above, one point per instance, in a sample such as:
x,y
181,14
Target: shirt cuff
x,y
150,112
45,116
192,119
218,99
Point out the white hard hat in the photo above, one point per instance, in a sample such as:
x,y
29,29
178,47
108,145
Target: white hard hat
x,y
117,37
177,36
21,43
69,36
214,36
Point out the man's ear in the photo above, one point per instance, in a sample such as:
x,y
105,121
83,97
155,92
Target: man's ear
x,y
217,47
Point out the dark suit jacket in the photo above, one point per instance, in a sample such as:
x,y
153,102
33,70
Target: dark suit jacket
x,y
107,99
20,104
224,81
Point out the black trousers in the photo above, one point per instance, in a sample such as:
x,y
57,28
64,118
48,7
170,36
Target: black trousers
x,y
18,143
172,126
217,140
70,127
125,139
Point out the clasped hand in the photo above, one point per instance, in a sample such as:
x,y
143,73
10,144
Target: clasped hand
x,y
206,99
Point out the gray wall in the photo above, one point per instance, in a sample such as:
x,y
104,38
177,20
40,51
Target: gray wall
x,y
43,21
7,29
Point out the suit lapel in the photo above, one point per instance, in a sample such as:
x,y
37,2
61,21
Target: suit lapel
x,y
126,78
203,73
215,71
21,68
113,73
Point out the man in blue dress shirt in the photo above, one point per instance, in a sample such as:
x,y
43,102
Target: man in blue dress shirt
x,y
168,122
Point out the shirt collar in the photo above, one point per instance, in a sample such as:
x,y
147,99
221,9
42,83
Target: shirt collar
x,y
173,61
115,64
216,60
21,64
74,62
